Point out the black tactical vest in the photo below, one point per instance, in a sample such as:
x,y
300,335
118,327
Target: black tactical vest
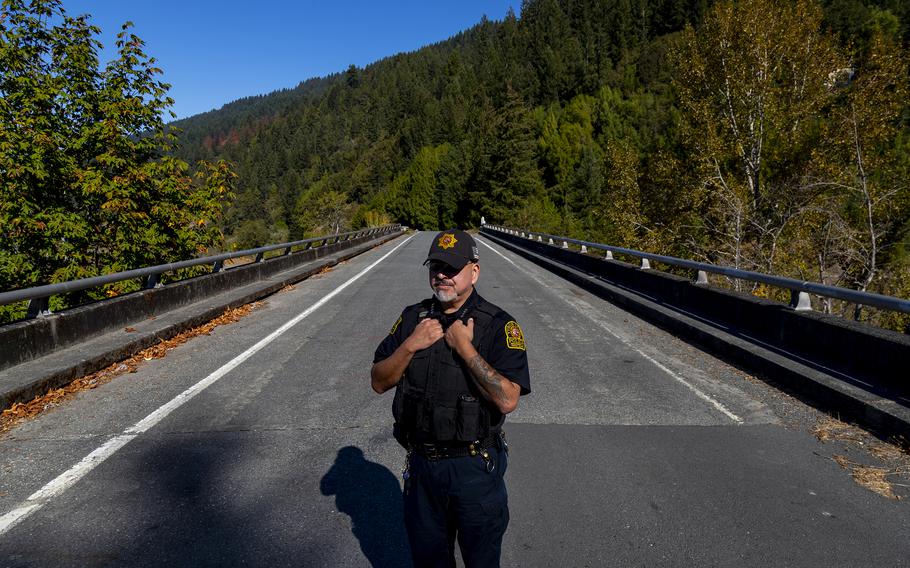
x,y
436,400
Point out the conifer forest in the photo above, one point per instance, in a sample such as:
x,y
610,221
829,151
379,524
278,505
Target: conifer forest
x,y
767,135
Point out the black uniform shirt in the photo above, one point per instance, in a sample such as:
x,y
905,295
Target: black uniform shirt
x,y
507,354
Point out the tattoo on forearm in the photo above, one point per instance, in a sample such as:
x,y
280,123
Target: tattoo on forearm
x,y
487,378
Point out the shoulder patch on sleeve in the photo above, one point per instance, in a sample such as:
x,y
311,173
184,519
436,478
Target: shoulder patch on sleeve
x,y
514,338
394,327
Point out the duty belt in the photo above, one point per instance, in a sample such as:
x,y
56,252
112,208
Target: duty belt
x,y
435,451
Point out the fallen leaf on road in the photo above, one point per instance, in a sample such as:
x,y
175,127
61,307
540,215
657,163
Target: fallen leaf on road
x,y
22,411
894,457
831,429
872,478
886,451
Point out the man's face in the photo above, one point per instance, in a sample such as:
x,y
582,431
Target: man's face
x,y
450,284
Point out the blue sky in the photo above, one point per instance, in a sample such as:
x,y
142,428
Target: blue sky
x,y
216,52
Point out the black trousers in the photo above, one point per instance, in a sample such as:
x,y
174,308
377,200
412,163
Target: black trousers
x,y
456,498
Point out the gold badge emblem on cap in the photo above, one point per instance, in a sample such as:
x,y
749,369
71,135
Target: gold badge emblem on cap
x,y
447,241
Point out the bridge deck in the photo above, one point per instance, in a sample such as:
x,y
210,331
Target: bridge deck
x,y
633,449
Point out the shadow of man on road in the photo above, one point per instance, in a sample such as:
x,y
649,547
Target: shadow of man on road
x,y
369,493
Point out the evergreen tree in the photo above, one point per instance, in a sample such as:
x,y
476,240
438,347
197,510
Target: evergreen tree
x,y
512,175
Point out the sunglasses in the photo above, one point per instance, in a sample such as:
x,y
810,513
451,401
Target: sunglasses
x,y
439,267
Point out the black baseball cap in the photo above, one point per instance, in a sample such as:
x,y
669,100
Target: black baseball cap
x,y
453,247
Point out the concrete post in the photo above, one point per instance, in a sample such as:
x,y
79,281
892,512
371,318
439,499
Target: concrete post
x,y
38,308
152,282
645,264
800,301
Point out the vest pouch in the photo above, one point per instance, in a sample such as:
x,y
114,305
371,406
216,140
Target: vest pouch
x,y
411,415
470,425
418,370
444,423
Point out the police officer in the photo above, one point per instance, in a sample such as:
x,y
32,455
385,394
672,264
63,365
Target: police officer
x,y
458,364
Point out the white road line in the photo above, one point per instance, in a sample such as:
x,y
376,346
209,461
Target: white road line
x,y
507,259
68,478
707,398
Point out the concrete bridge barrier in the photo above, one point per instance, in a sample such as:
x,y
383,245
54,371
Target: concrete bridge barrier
x,y
32,342
854,369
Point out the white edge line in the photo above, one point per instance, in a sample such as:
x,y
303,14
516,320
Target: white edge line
x,y
68,478
707,398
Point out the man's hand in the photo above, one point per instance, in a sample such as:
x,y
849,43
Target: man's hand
x,y
425,334
499,390
386,373
459,337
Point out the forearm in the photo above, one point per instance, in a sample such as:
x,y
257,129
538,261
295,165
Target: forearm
x,y
496,388
386,373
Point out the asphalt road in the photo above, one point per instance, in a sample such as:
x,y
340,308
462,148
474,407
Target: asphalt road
x,y
634,449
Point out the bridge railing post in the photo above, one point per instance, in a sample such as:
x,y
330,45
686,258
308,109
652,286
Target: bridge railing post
x,y
153,281
800,301
800,291
38,307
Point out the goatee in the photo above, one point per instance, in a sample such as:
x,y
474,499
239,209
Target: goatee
x,y
444,297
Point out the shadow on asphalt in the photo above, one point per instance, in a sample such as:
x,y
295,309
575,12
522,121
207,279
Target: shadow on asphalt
x,y
199,502
369,493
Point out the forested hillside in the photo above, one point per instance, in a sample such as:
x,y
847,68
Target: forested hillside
x,y
765,134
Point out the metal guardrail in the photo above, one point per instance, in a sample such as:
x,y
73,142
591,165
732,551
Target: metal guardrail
x,y
799,290
38,296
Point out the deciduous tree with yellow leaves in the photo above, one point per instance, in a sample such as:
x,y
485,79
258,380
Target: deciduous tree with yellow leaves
x,y
795,139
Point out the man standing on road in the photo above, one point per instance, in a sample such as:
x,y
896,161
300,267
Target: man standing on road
x,y
459,365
